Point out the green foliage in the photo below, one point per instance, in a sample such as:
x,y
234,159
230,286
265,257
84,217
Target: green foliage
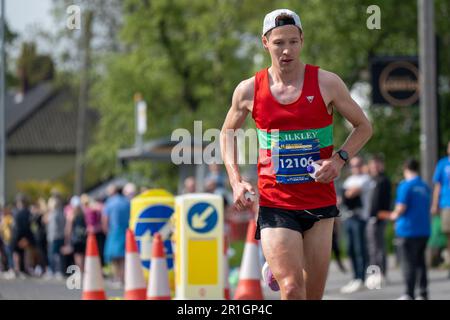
x,y
187,56
400,129
186,69
238,249
33,67
36,189
10,36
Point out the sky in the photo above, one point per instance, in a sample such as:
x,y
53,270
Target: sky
x,y
23,14
28,18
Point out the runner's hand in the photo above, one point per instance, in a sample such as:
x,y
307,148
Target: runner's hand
x,y
329,170
239,190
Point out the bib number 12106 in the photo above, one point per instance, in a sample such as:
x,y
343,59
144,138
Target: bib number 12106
x,y
291,163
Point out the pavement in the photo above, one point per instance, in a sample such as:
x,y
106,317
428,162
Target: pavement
x,y
33,288
438,282
39,289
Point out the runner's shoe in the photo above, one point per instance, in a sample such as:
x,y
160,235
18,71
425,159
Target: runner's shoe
x,y
269,279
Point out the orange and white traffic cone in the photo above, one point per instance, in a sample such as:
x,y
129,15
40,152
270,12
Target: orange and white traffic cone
x,y
135,286
158,285
93,286
226,270
249,286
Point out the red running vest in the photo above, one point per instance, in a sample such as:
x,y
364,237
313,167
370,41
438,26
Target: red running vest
x,y
303,124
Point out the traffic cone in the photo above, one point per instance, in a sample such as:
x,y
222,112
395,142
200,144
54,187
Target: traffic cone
x,y
226,270
93,287
158,285
135,286
249,286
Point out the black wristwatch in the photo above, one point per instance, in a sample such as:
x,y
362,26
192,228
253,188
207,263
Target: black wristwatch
x,y
343,155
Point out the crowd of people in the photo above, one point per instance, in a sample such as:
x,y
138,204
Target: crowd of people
x,y
43,238
368,204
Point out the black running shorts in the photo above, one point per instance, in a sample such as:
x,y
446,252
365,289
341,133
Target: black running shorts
x,y
297,220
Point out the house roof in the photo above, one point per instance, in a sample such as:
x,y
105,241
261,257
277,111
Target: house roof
x,y
16,113
158,150
44,122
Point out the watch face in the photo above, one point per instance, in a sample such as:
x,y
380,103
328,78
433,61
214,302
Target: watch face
x,y
343,154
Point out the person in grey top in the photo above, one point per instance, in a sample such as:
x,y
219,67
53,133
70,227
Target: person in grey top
x,y
355,201
380,201
55,234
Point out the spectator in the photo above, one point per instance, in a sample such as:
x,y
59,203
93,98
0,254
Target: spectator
x,y
56,224
116,217
22,237
93,214
379,201
441,197
67,249
130,190
337,229
77,234
189,185
39,232
215,173
412,227
6,230
354,199
335,245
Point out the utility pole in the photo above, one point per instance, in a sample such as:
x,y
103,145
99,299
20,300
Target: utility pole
x,y
428,102
2,107
83,101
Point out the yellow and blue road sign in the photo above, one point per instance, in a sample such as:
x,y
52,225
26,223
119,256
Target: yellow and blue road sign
x,y
199,247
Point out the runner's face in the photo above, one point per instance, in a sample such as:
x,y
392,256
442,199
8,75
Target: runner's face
x,y
284,45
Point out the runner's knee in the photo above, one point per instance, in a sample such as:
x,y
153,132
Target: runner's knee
x,y
293,288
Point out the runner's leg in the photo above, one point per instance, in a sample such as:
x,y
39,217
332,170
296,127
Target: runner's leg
x,y
317,252
283,249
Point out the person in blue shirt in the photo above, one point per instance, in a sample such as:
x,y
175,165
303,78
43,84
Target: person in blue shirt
x,y
413,228
115,221
441,196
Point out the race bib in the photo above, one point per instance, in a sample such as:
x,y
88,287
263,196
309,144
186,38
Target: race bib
x,y
291,158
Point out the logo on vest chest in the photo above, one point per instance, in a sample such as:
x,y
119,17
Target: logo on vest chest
x,y
310,98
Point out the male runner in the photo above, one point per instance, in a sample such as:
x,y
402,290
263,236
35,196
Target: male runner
x,y
295,220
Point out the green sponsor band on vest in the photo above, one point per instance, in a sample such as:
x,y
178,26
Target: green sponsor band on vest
x,y
325,136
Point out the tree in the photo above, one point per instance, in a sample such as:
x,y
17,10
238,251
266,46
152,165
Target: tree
x,y
10,37
33,68
186,57
100,22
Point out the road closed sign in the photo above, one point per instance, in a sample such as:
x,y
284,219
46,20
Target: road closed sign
x,y
199,270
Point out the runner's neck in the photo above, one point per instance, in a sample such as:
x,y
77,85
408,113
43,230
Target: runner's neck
x,y
290,77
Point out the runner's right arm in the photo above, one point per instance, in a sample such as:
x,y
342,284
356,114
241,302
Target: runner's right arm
x,y
241,105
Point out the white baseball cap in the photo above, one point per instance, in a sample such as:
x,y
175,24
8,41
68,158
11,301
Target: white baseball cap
x,y
271,22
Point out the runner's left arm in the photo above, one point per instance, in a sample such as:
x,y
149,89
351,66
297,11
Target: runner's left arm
x,y
362,129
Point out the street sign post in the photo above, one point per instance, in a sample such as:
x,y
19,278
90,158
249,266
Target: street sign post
x,y
199,247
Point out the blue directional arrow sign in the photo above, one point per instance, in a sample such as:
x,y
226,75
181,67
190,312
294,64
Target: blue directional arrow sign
x,y
202,217
153,219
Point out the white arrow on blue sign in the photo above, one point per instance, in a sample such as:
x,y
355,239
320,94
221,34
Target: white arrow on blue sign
x,y
151,220
202,217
